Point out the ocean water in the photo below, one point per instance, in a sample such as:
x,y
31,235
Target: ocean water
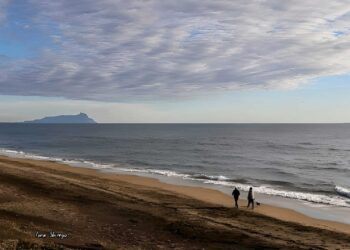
x,y
308,162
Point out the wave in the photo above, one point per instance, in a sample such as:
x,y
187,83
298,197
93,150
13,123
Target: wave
x,y
167,173
342,191
314,198
75,163
333,149
339,149
306,143
204,177
287,146
340,199
302,146
214,144
210,177
333,200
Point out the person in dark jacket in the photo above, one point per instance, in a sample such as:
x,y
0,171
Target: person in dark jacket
x,y
235,194
251,197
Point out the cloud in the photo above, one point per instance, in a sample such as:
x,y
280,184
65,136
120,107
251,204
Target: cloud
x,y
3,4
114,50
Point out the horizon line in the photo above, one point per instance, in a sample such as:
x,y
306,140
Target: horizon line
x,y
194,123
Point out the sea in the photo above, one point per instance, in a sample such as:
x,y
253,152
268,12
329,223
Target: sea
x,y
304,162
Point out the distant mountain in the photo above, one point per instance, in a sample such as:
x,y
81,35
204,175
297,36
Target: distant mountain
x,y
79,118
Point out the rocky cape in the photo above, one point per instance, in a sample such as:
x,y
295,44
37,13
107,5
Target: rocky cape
x,y
68,119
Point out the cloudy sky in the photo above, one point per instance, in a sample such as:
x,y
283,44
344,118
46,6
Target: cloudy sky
x,y
176,61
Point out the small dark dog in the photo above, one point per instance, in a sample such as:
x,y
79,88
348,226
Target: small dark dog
x,y
258,203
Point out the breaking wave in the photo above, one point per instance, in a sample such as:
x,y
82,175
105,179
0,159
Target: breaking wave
x,y
333,200
339,198
342,191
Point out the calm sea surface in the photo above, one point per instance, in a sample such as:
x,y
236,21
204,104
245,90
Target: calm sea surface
x,y
305,161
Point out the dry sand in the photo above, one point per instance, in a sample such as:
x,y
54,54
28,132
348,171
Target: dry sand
x,y
94,210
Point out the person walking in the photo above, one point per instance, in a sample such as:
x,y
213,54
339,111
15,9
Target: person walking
x,y
250,198
235,194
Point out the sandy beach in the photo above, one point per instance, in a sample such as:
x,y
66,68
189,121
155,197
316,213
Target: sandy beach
x,y
47,204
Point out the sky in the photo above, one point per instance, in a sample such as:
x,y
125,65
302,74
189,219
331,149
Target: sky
x,y
243,61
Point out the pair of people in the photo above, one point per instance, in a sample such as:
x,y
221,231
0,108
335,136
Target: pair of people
x,y
236,194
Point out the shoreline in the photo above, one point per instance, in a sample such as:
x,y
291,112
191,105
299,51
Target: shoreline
x,y
220,198
118,211
205,194
339,199
217,197
318,206
305,208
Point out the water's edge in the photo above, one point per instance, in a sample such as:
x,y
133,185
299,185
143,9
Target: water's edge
x,y
313,205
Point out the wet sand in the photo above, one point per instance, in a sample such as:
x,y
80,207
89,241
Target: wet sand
x,y
92,210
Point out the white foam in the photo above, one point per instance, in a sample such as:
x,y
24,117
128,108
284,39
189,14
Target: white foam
x,y
75,163
222,180
21,154
219,178
342,191
153,171
315,198
207,179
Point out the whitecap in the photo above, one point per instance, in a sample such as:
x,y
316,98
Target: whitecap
x,y
342,191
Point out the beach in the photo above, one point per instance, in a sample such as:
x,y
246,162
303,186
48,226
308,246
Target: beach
x,y
44,203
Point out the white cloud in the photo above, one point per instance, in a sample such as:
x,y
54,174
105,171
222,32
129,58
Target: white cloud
x,y
112,50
